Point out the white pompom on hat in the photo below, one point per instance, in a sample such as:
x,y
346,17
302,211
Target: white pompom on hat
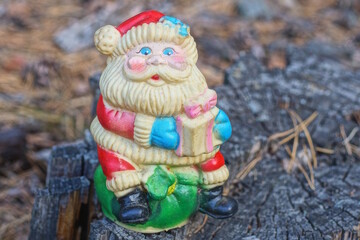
x,y
106,39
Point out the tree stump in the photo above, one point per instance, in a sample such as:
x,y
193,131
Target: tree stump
x,y
273,204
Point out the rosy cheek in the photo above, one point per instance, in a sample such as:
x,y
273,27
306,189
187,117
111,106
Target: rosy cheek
x,y
177,62
137,64
178,59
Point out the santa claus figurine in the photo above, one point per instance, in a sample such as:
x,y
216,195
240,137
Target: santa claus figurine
x,y
158,130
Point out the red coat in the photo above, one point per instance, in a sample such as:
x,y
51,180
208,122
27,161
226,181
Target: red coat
x,y
121,122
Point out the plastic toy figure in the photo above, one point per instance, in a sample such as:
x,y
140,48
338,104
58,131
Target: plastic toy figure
x,y
157,129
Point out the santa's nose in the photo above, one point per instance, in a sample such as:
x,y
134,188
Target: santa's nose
x,y
156,60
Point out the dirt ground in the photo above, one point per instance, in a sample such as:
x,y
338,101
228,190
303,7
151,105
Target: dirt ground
x,y
45,98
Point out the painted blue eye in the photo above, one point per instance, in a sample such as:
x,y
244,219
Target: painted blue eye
x,y
168,51
145,51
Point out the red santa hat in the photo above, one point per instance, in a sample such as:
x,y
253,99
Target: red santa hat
x,y
148,26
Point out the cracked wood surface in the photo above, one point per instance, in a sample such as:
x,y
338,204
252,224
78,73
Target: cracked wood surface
x,y
272,203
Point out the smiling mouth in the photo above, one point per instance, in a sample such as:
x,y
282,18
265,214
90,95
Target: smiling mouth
x,y
155,81
155,77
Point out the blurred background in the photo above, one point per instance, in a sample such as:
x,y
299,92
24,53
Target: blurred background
x,y
47,56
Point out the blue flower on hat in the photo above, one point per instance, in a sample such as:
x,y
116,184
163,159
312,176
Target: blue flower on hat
x,y
173,21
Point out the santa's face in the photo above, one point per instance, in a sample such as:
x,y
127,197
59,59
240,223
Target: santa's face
x,y
152,78
157,64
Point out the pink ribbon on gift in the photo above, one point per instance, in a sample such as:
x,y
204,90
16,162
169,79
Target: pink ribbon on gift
x,y
194,109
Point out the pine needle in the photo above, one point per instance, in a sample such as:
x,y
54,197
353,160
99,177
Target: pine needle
x,y
306,176
349,147
295,144
299,126
324,150
291,131
355,149
308,137
245,171
345,142
301,168
202,224
308,161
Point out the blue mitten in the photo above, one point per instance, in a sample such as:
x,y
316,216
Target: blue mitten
x,y
222,127
163,133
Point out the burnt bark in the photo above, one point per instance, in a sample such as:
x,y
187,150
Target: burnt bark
x,y
56,210
65,208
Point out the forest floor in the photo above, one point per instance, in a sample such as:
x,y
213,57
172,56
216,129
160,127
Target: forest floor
x,y
45,97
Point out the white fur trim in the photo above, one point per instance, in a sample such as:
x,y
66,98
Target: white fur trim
x,y
122,193
157,32
215,177
123,180
142,129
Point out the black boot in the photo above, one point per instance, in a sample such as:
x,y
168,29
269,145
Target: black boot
x,y
215,205
133,207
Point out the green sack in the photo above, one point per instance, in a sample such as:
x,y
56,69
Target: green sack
x,y
172,196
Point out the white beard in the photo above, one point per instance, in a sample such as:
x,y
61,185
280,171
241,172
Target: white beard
x,y
122,89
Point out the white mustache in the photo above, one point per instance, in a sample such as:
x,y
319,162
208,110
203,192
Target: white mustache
x,y
166,73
